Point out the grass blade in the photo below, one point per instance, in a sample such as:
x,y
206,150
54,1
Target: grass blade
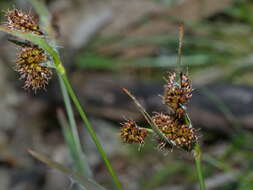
x,y
87,183
74,146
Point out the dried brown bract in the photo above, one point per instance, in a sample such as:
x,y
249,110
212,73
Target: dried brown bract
x,y
131,133
17,20
28,65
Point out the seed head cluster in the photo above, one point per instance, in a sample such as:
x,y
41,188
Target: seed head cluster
x,y
131,133
174,125
176,95
178,133
17,20
28,65
29,62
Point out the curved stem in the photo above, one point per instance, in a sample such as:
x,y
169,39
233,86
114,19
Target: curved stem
x,y
147,129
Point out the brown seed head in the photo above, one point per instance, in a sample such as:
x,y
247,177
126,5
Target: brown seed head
x,y
177,95
30,55
186,88
131,133
29,68
178,133
17,20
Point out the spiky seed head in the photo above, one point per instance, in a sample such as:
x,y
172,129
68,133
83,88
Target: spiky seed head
x,y
176,95
131,133
186,88
30,55
178,133
28,65
17,20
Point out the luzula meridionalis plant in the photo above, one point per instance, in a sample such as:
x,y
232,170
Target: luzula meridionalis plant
x,y
31,57
37,60
172,129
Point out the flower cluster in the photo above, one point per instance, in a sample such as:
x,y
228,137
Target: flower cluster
x,y
131,133
176,95
28,65
31,57
17,20
179,133
175,127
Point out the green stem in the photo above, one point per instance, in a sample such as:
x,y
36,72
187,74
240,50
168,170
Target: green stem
x,y
76,149
147,129
90,129
197,157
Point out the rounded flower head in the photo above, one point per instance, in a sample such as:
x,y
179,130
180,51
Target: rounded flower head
x,y
181,135
28,65
17,20
131,133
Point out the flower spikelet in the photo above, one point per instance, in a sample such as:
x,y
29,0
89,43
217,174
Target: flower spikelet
x,y
17,20
176,95
28,65
131,133
166,123
186,88
176,131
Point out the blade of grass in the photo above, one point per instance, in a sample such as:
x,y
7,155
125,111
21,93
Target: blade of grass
x,y
87,183
73,142
91,131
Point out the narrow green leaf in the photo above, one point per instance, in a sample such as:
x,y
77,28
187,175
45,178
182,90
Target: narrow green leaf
x,y
72,139
36,39
88,184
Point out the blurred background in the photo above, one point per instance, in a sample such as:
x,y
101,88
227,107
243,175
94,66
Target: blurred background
x,y
110,44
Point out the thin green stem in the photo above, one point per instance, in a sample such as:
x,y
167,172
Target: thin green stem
x,y
147,129
90,130
197,157
76,150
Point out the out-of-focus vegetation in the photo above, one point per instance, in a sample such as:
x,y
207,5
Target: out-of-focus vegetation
x,y
222,42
